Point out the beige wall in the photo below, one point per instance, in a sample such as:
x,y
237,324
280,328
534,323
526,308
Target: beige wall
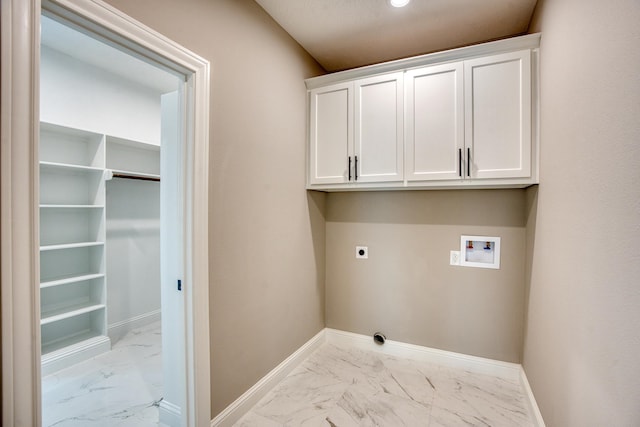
x,y
582,346
267,235
407,289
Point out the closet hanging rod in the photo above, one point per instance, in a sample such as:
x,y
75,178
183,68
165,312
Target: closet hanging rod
x,y
141,178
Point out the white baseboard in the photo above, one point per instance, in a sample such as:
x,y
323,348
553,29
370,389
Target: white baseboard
x,y
481,365
76,353
118,330
531,400
232,413
169,414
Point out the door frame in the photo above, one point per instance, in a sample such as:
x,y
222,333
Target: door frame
x,y
19,195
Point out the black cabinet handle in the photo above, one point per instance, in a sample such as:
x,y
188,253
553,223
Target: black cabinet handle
x,y
349,168
356,169
460,162
468,161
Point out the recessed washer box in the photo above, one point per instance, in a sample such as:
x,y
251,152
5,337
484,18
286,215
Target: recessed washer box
x,y
480,251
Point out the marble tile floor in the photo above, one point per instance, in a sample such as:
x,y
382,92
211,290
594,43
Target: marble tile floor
x,y
343,387
120,388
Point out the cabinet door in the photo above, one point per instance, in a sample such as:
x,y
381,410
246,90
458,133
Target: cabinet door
x,y
434,122
498,115
331,134
379,129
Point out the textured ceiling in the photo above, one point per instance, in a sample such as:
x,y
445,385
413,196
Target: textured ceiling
x,y
342,34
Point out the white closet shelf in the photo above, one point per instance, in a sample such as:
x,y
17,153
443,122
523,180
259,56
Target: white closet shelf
x,y
135,174
70,246
151,146
49,206
70,279
67,167
67,312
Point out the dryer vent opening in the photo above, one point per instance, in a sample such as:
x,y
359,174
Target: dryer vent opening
x,y
379,338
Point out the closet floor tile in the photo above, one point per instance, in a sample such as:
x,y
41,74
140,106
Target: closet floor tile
x,y
118,388
344,386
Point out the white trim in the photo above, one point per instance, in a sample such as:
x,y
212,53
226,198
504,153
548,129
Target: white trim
x,y
19,228
20,43
480,365
126,33
480,184
534,411
118,329
232,413
73,354
169,413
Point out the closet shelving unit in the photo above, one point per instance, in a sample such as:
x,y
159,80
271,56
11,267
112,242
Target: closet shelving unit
x,y
72,246
73,282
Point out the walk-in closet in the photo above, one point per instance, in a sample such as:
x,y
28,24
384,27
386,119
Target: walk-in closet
x,y
104,117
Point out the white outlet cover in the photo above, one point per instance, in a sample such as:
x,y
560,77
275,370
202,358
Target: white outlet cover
x,y
362,252
454,258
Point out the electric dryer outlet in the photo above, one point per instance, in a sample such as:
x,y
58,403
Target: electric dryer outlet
x,y
362,252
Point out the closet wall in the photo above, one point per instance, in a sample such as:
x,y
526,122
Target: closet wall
x,y
133,254
80,95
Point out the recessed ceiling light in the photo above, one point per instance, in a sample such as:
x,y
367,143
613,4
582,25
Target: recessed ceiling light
x,y
399,3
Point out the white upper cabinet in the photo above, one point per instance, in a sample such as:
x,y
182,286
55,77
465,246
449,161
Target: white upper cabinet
x,y
498,115
331,136
356,132
465,118
434,123
378,155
